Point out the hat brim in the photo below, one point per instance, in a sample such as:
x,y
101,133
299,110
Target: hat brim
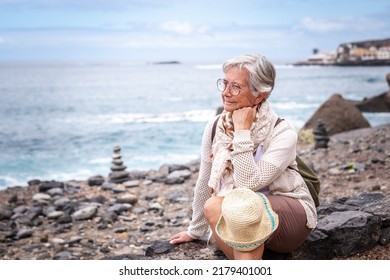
x,y
263,229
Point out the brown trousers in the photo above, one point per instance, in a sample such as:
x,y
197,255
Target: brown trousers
x,y
292,230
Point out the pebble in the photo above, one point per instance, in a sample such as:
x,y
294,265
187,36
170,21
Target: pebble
x,y
74,239
128,198
41,198
24,233
55,215
85,213
131,184
64,255
97,180
47,185
108,186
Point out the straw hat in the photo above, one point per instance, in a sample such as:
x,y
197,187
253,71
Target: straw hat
x,y
247,219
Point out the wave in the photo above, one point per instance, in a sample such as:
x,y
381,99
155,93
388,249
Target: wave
x,y
219,66
8,181
80,174
209,66
191,116
103,160
284,66
155,161
376,119
292,105
169,157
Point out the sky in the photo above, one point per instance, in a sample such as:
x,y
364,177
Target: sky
x,y
202,30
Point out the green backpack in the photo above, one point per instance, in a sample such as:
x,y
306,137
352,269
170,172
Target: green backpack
x,y
310,178
308,175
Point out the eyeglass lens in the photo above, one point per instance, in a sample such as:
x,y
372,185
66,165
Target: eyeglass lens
x,y
222,85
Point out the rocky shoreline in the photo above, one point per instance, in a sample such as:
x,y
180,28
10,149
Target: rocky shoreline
x,y
98,219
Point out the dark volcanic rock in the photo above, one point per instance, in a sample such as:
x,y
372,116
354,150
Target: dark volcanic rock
x,y
5,212
347,227
47,185
341,234
376,104
338,115
97,180
159,247
385,237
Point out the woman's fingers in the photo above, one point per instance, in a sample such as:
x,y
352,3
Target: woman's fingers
x,y
243,118
180,238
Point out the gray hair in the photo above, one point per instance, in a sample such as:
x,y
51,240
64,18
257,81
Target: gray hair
x,y
261,71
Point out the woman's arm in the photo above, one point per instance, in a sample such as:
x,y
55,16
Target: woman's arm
x,y
278,156
198,226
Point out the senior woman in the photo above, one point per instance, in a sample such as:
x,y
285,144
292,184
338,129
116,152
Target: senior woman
x,y
248,192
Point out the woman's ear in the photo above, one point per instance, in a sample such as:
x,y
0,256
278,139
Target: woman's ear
x,y
261,98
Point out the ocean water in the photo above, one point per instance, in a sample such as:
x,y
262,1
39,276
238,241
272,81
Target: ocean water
x,y
61,120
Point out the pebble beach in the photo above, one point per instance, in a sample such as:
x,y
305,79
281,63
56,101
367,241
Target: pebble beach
x,y
97,219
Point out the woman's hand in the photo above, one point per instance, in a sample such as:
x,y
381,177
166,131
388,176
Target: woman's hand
x,y
243,118
181,237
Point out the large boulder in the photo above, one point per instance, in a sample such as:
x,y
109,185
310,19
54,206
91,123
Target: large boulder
x,y
388,78
378,103
338,115
348,226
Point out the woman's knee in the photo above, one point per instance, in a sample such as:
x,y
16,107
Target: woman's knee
x,y
212,209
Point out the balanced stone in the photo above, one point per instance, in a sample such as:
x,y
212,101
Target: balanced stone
x,y
321,136
117,162
116,156
117,149
119,173
118,167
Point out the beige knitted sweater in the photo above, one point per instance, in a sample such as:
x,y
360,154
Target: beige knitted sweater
x,y
270,171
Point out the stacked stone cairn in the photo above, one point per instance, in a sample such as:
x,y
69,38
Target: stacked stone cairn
x,y
321,136
119,173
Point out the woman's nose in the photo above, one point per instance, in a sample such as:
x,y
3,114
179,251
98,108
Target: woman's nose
x,y
227,91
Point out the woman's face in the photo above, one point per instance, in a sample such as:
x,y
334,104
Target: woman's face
x,y
239,77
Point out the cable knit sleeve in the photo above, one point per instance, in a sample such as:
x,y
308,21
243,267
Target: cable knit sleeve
x,y
278,156
199,226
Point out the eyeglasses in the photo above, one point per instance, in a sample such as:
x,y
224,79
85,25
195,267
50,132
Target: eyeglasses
x,y
235,88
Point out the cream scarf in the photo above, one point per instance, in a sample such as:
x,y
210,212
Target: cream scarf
x,y
221,178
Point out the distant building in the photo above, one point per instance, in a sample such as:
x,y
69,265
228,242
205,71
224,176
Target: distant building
x,y
372,52
319,58
383,53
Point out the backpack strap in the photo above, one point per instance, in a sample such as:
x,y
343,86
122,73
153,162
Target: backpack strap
x,y
214,130
278,121
274,123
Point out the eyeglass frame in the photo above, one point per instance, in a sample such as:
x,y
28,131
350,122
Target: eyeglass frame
x,y
228,85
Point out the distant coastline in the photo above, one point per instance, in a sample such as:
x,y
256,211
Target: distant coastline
x,y
362,53
346,63
167,62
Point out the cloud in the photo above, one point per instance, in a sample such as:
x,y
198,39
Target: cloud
x,y
341,24
183,28
177,27
176,37
319,26
80,4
